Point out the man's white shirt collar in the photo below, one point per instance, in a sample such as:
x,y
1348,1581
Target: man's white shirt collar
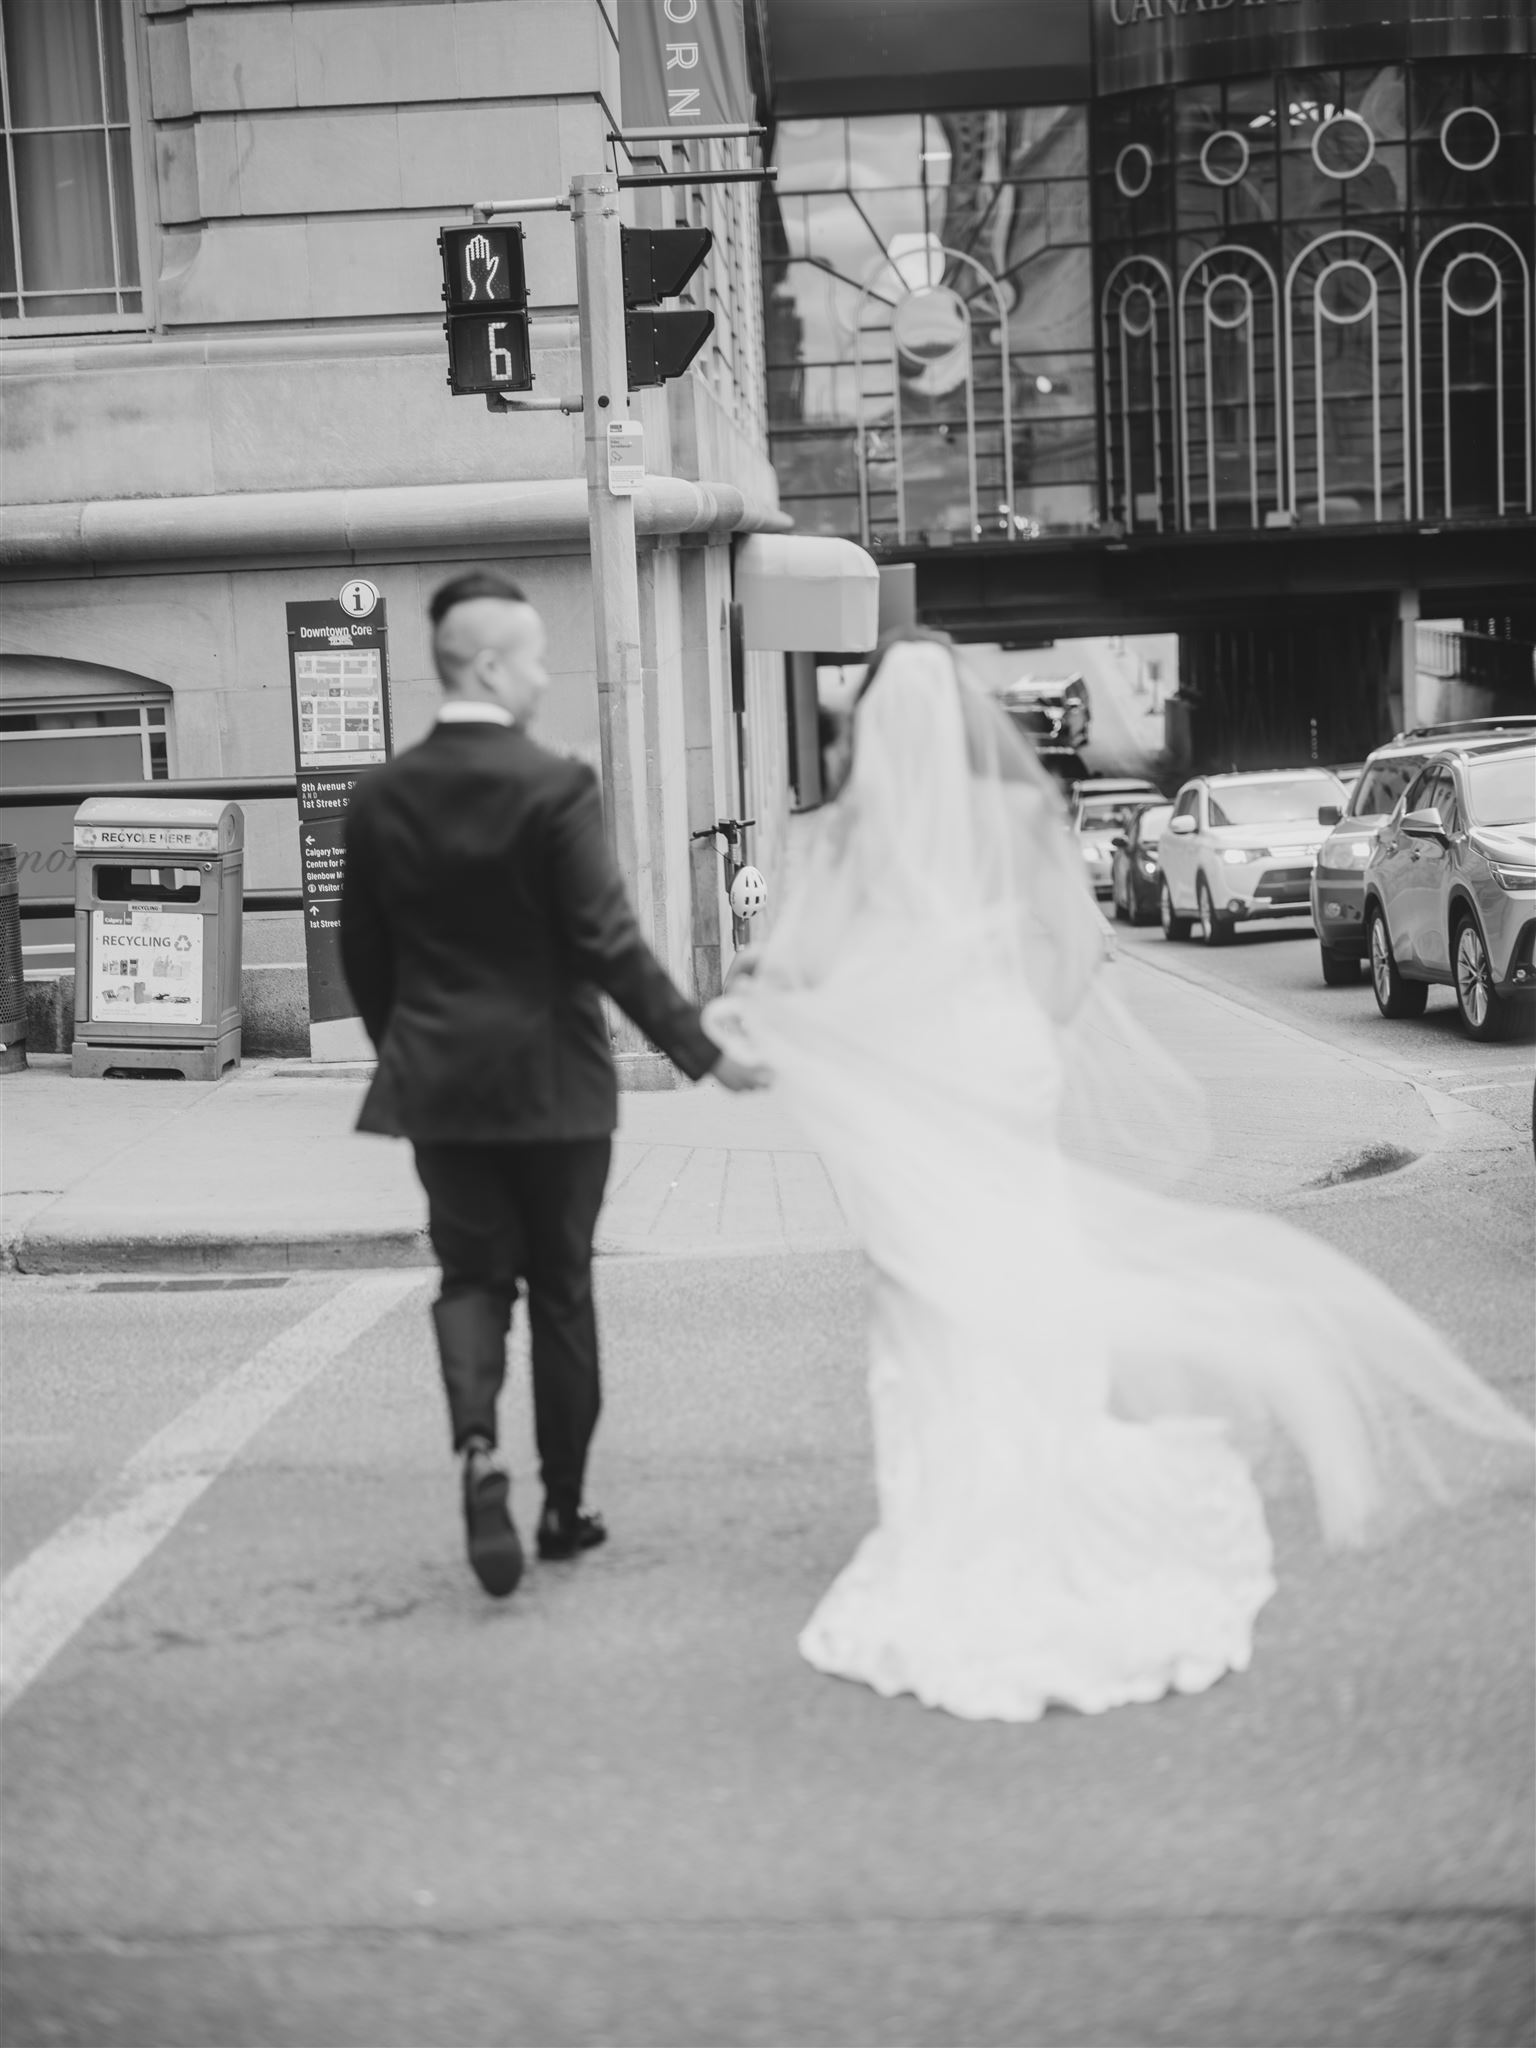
x,y
473,712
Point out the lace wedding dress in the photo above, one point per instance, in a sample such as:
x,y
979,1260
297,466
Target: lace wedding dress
x,y
1065,1362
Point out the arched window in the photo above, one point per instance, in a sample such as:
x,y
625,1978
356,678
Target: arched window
x,y
1229,410
1347,410
1139,373
1472,304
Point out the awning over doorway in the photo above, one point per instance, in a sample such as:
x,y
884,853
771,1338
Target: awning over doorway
x,y
807,593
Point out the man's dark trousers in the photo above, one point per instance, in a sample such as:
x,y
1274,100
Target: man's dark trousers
x,y
500,1215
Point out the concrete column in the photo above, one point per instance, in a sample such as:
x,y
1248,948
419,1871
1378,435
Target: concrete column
x,y
1410,700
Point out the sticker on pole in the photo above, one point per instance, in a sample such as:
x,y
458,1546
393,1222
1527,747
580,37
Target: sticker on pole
x,y
146,963
626,457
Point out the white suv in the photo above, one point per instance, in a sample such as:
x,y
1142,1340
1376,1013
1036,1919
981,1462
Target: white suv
x,y
1240,847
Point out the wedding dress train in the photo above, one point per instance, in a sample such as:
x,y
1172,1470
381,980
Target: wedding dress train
x,y
1065,1361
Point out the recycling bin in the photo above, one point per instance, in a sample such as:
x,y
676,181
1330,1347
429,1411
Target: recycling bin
x,y
158,890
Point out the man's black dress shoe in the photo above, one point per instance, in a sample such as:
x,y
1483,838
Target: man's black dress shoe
x,y
495,1555
565,1531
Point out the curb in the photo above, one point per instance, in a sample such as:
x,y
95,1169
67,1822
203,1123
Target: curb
x,y
44,1256
198,1253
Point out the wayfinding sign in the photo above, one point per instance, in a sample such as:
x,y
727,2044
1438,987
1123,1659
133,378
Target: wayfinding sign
x,y
338,662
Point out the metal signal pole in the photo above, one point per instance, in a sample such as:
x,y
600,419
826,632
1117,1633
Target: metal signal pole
x,y
615,586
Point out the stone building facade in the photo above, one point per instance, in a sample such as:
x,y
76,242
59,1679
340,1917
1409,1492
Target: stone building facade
x,y
224,389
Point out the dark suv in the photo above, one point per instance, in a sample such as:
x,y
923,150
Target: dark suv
x,y
1450,889
1338,880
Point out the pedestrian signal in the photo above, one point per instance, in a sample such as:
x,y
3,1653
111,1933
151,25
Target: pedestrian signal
x,y
661,343
485,290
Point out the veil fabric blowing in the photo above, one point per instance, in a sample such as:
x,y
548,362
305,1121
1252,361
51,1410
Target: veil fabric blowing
x,y
1071,1369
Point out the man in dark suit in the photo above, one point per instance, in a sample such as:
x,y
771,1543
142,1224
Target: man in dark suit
x,y
482,914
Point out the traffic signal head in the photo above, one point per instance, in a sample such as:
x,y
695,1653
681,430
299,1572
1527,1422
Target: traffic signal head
x,y
659,345
658,262
486,293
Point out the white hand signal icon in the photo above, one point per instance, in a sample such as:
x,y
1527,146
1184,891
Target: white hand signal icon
x,y
478,258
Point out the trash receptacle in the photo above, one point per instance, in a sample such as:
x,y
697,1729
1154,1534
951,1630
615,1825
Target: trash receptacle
x,y
158,891
13,988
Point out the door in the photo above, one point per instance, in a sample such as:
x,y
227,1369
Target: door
x,y
1176,851
1421,871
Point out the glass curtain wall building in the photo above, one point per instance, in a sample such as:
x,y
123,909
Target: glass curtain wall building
x,y
1315,297
929,290
1219,292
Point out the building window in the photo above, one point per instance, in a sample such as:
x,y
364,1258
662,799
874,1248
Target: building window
x,y
1228,423
1475,373
78,744
68,243
929,301
1348,409
1138,394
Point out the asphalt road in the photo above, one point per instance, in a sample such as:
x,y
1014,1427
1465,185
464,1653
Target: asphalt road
x,y
294,1781
1274,969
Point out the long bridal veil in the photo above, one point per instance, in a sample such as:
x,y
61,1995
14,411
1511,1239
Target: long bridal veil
x,y
935,1003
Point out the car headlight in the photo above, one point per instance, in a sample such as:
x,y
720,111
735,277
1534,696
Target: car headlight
x,y
1148,863
1344,855
1092,852
1510,876
1240,856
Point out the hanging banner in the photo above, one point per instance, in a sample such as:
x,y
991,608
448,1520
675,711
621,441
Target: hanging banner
x,y
683,64
338,671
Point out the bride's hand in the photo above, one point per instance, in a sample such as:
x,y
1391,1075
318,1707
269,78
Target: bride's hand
x,y
736,1075
742,967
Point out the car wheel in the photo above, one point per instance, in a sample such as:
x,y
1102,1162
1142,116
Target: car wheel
x,y
1340,970
1215,930
1174,926
1395,997
1485,1014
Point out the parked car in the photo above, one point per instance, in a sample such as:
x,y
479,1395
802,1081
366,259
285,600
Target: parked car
x,y
1101,823
1090,788
1450,889
1051,711
1133,871
1242,846
1338,880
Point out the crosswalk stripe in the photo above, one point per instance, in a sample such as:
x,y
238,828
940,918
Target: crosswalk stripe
x,y
58,1586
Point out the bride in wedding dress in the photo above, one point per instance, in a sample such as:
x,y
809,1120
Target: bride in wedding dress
x,y
1066,1364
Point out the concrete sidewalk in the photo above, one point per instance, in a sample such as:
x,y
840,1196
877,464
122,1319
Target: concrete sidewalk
x,y
263,1172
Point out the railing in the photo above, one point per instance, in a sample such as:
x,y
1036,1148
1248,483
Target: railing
x,y
244,789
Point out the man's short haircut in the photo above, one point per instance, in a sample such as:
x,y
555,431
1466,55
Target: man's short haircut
x,y
472,584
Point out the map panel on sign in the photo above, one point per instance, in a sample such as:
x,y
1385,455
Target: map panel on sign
x,y
341,707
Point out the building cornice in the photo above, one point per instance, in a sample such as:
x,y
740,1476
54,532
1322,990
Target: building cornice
x,y
127,536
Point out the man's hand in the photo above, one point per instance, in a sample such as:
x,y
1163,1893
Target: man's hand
x,y
736,1075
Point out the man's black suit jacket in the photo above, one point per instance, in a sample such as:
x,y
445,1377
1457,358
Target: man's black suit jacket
x,y
481,913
